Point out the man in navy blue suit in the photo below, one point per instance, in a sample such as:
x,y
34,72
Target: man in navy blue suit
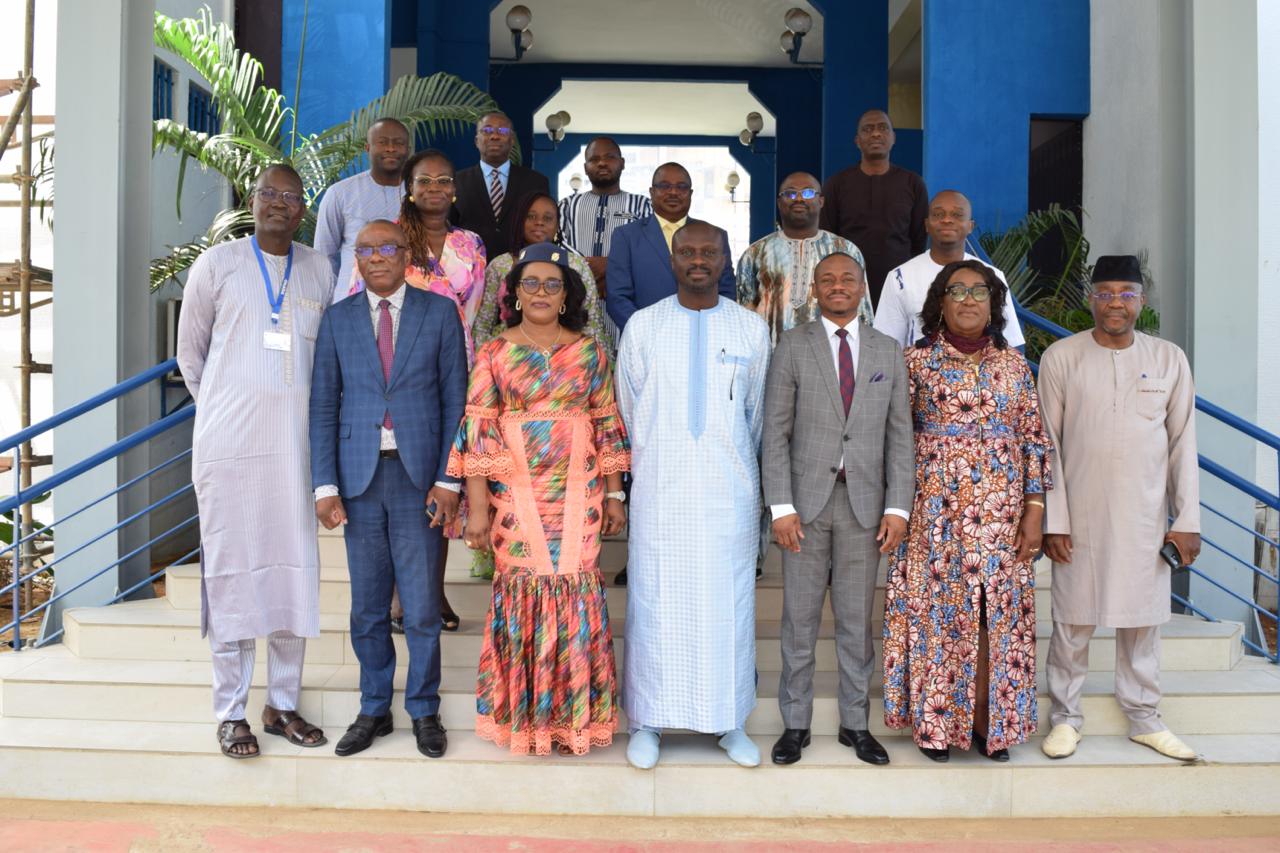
x,y
640,252
387,394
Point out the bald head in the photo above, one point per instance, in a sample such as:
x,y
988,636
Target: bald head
x,y
381,256
875,136
949,223
697,260
799,215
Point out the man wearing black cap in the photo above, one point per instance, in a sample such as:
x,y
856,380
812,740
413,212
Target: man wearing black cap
x,y
1120,407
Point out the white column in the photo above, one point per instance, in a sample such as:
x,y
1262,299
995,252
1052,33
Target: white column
x,y
104,328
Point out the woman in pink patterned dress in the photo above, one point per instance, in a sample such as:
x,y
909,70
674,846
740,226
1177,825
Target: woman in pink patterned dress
x,y
960,617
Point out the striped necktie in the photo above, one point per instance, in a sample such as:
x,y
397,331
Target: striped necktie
x,y
495,193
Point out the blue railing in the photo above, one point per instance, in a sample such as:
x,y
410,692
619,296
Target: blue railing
x,y
1237,482
21,551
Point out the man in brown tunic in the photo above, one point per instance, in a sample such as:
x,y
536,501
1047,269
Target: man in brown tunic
x,y
1120,407
877,205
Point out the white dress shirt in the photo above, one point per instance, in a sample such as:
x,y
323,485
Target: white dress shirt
x,y
833,341
387,438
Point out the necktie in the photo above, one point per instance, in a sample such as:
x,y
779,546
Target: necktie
x,y
846,370
495,193
386,349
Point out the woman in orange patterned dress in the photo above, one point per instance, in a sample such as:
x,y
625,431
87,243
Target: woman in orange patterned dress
x,y
542,448
960,620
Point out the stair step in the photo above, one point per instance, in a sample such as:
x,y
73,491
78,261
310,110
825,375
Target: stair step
x,y
155,630
58,685
1108,776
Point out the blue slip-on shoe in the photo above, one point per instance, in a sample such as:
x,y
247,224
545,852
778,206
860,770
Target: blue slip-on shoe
x,y
642,749
741,749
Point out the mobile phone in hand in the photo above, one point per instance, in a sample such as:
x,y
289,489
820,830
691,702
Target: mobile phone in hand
x,y
1170,554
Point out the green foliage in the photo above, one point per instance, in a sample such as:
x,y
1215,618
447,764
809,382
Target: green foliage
x,y
1061,298
253,120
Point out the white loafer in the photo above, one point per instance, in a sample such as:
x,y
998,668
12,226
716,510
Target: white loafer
x,y
1166,743
742,749
642,749
1061,742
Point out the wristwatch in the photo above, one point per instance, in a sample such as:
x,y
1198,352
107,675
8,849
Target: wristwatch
x,y
619,496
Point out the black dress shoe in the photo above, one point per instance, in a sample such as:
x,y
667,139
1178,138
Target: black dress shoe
x,y
981,743
787,749
397,625
939,755
620,579
864,745
430,736
361,733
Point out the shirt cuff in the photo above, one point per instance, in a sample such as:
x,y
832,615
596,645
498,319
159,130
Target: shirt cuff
x,y
782,511
326,491
453,487
900,513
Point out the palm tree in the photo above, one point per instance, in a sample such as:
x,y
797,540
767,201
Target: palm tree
x,y
253,122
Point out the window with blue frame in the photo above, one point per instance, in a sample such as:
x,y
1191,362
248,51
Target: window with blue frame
x,y
202,112
161,91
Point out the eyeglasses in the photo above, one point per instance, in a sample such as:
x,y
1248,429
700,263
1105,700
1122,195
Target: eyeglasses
x,y
270,194
424,181
551,285
490,130
1126,297
665,187
387,250
958,292
808,194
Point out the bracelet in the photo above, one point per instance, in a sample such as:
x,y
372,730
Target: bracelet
x,y
1035,502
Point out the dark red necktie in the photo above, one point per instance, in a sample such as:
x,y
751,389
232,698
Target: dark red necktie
x,y
386,350
846,370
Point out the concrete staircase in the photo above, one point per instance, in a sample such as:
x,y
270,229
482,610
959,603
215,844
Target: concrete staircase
x,y
120,712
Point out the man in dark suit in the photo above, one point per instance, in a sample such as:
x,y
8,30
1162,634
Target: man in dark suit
x,y
387,393
640,252
490,192
838,463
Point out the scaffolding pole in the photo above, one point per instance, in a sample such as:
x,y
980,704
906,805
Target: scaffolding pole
x,y
25,185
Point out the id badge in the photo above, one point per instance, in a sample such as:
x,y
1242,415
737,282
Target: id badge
x,y
281,341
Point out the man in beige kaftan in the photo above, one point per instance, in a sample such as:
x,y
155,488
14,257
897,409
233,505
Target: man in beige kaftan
x,y
1120,407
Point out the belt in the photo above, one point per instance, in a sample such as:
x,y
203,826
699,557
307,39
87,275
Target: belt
x,y
389,454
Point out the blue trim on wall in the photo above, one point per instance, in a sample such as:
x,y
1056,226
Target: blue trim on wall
x,y
334,84
759,164
989,66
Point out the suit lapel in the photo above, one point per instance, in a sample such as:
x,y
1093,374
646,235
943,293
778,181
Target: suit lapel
x,y
362,329
867,358
822,352
412,313
653,230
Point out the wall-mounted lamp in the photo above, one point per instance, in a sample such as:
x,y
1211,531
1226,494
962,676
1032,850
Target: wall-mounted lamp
x,y
731,183
556,123
518,20
575,183
798,23
755,124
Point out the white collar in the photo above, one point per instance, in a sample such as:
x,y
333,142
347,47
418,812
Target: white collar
x,y
851,328
396,299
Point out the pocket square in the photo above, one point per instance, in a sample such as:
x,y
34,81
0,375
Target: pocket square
x,y
878,377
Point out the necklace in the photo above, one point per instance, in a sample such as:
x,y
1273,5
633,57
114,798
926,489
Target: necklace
x,y
546,351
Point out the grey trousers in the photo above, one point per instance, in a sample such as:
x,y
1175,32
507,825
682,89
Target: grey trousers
x,y
1137,675
233,674
835,546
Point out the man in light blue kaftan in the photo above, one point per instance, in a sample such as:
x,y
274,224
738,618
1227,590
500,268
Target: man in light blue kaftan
x,y
691,372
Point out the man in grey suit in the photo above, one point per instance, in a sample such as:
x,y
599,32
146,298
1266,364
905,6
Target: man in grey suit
x,y
838,469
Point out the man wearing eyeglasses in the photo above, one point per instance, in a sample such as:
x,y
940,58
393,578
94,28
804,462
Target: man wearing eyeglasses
x,y
775,274
490,192
640,272
250,312
949,223
1120,407
372,194
387,396
877,205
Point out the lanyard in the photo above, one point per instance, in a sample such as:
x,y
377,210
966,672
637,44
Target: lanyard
x,y
272,299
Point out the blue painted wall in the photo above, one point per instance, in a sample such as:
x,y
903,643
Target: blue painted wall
x,y
855,72
989,66
345,61
759,164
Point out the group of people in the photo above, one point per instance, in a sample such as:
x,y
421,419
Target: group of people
x,y
462,357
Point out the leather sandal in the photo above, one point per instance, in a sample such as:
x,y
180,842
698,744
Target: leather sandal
x,y
227,739
292,727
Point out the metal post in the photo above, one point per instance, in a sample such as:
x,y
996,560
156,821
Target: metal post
x,y
15,555
24,283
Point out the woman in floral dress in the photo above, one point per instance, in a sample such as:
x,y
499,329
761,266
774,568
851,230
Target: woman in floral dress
x,y
960,626
542,448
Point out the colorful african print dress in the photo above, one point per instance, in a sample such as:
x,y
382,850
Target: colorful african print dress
x,y
980,446
545,431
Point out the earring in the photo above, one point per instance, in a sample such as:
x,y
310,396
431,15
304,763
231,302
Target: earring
x,y
517,304
410,199
454,199
562,307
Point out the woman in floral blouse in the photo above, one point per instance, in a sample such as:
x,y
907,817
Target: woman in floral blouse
x,y
960,626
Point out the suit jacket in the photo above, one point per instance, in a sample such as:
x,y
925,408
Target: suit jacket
x,y
473,211
806,431
640,270
425,395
